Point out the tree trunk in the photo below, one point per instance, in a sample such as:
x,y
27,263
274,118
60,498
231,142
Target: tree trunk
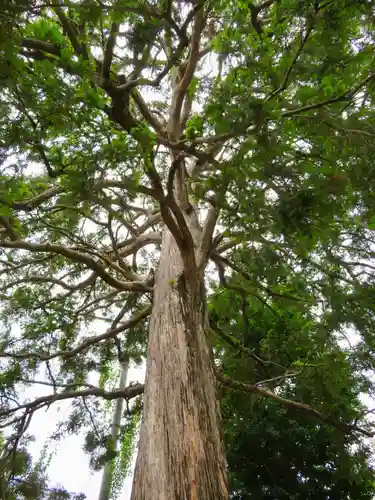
x,y
105,487
180,454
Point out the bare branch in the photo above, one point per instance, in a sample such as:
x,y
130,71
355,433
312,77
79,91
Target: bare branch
x,y
124,184
171,224
207,233
153,219
187,243
140,242
77,257
38,279
194,52
129,392
85,305
165,203
146,113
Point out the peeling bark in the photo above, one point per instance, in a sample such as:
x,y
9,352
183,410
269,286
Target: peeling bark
x,y
181,454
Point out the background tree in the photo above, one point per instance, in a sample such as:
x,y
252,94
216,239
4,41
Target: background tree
x,y
21,479
164,136
272,451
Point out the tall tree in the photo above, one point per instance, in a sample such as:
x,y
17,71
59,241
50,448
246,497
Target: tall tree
x,y
165,135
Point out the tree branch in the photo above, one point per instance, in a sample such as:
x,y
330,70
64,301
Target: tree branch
x,y
38,279
346,96
288,403
284,85
69,29
128,184
237,345
187,239
207,234
179,92
146,113
141,241
129,392
108,54
7,228
83,346
77,257
247,277
35,44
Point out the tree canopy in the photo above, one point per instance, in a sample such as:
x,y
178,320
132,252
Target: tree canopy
x,y
264,112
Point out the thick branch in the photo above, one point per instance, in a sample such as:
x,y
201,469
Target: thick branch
x,y
187,239
35,44
139,242
179,92
165,203
194,53
207,233
108,54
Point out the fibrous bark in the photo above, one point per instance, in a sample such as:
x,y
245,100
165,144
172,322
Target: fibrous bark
x,y
180,450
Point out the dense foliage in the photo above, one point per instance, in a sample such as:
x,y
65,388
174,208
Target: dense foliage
x,y
274,451
278,142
